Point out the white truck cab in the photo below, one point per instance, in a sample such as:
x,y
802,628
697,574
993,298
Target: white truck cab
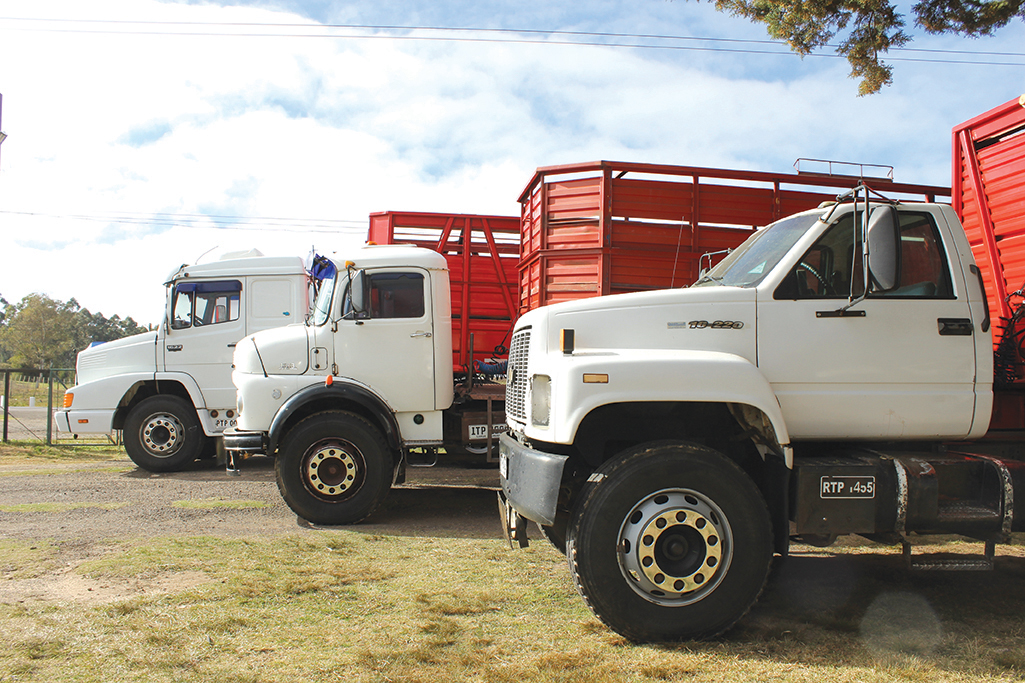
x,y
169,391
823,379
342,401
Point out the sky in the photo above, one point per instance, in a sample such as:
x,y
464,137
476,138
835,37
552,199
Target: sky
x,y
144,134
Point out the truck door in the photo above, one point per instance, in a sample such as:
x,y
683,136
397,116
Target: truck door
x,y
205,324
390,346
272,302
897,365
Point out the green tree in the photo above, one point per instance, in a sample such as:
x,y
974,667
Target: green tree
x,y
39,332
870,28
95,328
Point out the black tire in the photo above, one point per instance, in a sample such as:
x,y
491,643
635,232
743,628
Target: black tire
x,y
556,533
334,468
163,434
670,542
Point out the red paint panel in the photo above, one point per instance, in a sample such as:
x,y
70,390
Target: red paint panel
x,y
619,227
483,260
989,197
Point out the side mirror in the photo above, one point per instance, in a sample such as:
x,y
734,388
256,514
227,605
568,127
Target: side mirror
x,y
883,239
355,299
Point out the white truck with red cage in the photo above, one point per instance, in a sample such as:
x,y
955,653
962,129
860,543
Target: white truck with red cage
x,y
833,375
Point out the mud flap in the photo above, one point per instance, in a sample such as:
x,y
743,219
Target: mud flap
x,y
514,526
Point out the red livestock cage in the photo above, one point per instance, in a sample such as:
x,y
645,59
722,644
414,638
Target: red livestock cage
x,y
608,227
482,254
989,197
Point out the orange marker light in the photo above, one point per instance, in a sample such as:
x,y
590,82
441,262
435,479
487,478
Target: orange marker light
x,y
329,380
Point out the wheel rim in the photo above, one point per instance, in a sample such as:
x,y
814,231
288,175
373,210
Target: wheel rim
x,y
675,547
162,435
333,469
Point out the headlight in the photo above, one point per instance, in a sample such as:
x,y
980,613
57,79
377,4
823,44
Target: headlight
x,y
540,400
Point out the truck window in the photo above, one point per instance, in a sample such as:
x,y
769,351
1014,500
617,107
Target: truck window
x,y
749,263
322,307
206,303
396,295
833,264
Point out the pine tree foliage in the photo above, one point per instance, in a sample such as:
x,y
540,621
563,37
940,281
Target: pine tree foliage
x,y
868,29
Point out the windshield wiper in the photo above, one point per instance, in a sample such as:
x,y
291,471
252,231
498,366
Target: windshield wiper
x,y
708,278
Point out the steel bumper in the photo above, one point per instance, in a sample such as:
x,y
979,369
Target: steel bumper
x,y
250,443
530,479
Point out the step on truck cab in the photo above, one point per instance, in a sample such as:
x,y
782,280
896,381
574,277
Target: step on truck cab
x,y
169,391
830,376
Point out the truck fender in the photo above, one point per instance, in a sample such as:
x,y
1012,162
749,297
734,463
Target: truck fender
x,y
187,381
340,392
697,376
107,393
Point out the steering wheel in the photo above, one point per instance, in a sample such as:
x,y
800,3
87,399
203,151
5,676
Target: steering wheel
x,y
826,288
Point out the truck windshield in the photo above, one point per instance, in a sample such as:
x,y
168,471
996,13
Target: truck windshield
x,y
756,257
322,308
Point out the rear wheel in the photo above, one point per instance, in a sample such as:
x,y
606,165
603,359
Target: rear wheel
x,y
670,542
163,434
334,468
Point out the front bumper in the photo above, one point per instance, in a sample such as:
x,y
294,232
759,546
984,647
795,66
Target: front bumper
x,y
84,421
530,479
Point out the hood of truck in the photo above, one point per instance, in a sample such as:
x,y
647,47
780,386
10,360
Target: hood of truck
x,y
278,351
713,318
127,355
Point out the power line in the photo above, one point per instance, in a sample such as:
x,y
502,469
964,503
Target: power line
x,y
487,38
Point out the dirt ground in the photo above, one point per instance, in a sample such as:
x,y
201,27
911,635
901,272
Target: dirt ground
x,y
81,508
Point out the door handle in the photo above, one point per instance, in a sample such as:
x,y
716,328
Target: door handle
x,y
418,333
954,327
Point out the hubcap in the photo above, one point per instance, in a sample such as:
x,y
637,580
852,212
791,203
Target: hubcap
x,y
162,435
333,469
675,546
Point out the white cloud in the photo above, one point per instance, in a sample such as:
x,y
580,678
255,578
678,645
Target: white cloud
x,y
311,128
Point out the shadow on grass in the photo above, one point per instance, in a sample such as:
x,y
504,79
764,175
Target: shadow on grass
x,y
871,610
435,511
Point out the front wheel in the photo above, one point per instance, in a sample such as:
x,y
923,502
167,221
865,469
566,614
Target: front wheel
x,y
163,434
670,542
333,468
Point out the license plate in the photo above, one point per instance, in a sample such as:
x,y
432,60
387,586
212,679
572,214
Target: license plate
x,y
847,487
503,465
481,431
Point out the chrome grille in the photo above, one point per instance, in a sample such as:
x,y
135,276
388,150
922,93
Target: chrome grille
x,y
516,382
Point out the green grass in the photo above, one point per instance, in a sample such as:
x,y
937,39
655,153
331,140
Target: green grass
x,y
17,454
354,607
21,391
348,605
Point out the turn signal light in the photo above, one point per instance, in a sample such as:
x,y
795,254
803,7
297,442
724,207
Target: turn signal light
x,y
68,399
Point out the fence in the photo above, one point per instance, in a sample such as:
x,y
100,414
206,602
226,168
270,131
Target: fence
x,y
24,390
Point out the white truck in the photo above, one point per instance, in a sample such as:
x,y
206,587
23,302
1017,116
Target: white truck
x,y
833,375
346,400
169,391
